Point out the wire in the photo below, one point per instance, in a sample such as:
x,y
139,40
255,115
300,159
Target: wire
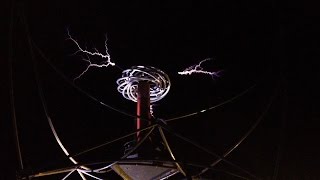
x,y
165,141
12,97
282,135
133,162
207,150
212,107
112,141
89,175
64,178
40,92
252,128
129,152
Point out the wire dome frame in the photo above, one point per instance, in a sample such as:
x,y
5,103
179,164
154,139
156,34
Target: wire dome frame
x,y
158,80
159,87
81,169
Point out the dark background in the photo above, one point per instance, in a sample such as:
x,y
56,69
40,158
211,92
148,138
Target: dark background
x,y
270,45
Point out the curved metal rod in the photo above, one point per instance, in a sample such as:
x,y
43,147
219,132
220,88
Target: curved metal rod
x,y
112,141
42,98
128,153
65,177
170,151
132,161
252,128
11,91
212,107
84,172
208,151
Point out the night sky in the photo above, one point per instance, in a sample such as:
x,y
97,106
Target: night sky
x,y
272,47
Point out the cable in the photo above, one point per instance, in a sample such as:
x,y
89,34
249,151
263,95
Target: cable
x,y
40,92
282,136
129,152
165,141
112,141
252,128
65,177
207,151
212,107
133,162
89,175
12,97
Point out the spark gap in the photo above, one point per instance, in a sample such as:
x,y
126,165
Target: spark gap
x,y
198,69
106,56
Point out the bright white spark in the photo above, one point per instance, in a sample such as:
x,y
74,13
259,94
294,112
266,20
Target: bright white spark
x,y
106,56
151,110
198,69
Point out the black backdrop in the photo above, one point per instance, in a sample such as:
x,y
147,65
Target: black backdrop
x,y
266,45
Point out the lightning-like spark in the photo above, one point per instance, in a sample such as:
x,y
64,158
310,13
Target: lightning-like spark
x,y
106,56
151,110
198,69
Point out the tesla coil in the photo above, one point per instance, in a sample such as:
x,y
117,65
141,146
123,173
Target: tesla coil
x,y
145,85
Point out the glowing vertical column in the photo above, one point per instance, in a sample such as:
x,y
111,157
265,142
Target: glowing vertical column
x,y
143,107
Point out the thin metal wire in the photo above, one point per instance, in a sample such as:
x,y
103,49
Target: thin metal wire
x,y
133,162
129,152
40,92
112,141
64,178
94,177
212,107
12,97
252,128
81,175
282,135
207,150
170,151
